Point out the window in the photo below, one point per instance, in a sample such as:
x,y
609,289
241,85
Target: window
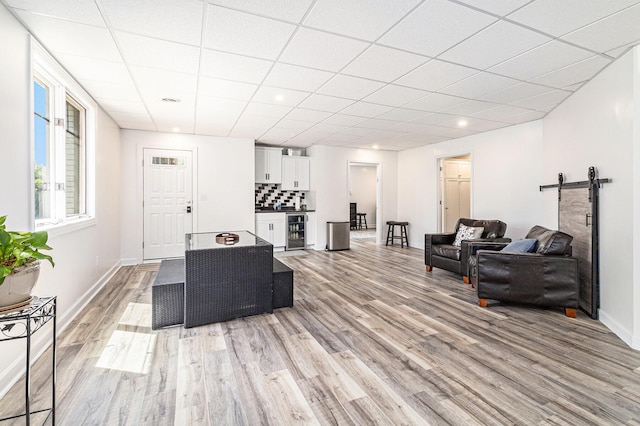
x,y
62,141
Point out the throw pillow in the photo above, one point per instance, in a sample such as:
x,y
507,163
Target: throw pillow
x,y
521,246
467,233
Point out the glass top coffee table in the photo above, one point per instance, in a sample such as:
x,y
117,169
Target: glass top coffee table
x,y
228,275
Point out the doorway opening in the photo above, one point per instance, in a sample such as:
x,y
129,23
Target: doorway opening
x,y
364,200
454,191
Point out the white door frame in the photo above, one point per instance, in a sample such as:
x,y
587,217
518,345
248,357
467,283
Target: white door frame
x,y
379,212
140,190
440,184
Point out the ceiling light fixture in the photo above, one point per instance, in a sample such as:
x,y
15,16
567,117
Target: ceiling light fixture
x,y
171,100
462,123
176,129
279,97
375,147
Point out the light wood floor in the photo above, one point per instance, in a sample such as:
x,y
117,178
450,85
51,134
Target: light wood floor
x,y
372,339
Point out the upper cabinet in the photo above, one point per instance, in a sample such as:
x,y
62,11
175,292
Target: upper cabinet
x,y
268,165
295,173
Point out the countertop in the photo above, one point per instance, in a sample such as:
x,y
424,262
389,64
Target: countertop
x,y
284,211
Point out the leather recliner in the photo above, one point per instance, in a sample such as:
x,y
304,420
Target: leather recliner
x,y
439,251
549,277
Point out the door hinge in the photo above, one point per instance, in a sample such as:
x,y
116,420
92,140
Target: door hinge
x,y
58,122
143,244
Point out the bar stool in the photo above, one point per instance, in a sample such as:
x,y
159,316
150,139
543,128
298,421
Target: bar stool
x,y
360,217
404,239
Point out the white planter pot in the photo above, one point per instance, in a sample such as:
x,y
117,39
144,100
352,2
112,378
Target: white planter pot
x,y
17,287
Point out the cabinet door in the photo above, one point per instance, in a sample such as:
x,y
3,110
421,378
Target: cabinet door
x,y
311,229
262,173
279,233
303,166
274,159
263,230
288,173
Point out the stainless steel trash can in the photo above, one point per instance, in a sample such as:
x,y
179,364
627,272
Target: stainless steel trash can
x,y
338,235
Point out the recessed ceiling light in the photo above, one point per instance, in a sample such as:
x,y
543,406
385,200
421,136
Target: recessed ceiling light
x,y
462,123
279,97
171,100
375,147
176,129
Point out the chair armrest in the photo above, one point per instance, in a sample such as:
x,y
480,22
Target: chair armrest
x,y
435,239
468,248
546,280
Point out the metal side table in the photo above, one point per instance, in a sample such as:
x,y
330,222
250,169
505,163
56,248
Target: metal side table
x,y
22,323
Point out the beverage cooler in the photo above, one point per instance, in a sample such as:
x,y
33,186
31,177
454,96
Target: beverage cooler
x,y
296,223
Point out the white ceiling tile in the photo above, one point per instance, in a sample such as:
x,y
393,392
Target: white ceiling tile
x,y
165,19
502,113
287,10
619,51
344,120
317,49
308,114
499,42
340,138
128,116
469,107
543,102
73,39
524,117
273,95
473,124
138,125
298,125
609,33
229,66
218,110
84,12
217,88
328,128
137,108
434,118
365,109
560,17
349,87
478,85
123,91
436,26
325,103
297,78
402,114
237,32
154,53
378,124
358,131
83,68
157,84
374,16
383,64
435,75
265,111
276,134
541,60
395,95
517,92
436,102
499,7
573,74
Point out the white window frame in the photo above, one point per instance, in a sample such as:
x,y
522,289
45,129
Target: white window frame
x,y
46,69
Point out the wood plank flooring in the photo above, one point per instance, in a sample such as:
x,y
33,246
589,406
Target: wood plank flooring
x,y
372,339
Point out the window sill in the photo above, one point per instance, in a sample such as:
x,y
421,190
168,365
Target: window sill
x,y
68,226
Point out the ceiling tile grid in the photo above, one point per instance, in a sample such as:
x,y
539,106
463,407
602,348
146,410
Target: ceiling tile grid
x,y
397,74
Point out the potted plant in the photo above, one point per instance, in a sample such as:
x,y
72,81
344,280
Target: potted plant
x,y
20,264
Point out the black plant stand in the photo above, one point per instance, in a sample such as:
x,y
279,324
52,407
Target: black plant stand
x,y
22,323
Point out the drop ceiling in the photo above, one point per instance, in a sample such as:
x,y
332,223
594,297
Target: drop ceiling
x,y
394,74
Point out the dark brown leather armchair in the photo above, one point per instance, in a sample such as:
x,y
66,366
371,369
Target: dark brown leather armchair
x,y
439,251
548,277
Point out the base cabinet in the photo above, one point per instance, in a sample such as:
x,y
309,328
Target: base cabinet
x,y
272,228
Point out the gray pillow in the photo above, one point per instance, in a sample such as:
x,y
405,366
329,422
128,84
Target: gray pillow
x,y
521,246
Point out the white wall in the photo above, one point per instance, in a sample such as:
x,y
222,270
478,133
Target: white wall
x,y
329,185
595,127
363,191
505,177
84,258
223,174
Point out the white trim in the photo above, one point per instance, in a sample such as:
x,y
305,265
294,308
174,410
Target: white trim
x,y
625,335
379,212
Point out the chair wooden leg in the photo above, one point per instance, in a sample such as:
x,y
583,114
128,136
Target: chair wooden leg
x,y
482,302
428,268
465,279
570,312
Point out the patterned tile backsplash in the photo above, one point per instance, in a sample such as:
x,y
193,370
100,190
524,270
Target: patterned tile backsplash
x,y
270,194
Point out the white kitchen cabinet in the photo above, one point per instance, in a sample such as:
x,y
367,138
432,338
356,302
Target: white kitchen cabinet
x,y
295,173
272,227
268,165
311,229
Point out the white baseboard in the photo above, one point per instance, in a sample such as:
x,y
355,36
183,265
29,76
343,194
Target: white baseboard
x,y
41,341
129,262
624,334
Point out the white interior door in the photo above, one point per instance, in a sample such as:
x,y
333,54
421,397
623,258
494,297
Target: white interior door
x,y
167,202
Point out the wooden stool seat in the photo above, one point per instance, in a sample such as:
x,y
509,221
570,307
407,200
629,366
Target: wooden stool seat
x,y
404,238
361,217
